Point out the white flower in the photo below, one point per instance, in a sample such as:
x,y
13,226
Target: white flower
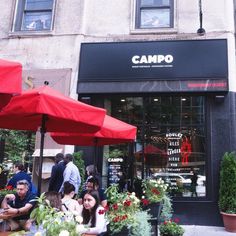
x,y
38,234
64,233
143,197
80,229
133,193
79,219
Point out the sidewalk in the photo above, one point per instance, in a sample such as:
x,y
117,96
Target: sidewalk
x,y
196,230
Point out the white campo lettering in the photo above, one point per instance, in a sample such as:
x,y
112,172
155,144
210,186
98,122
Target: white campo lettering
x,y
149,59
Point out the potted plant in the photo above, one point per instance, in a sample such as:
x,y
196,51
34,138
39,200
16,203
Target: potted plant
x,y
49,221
227,191
154,191
171,228
124,213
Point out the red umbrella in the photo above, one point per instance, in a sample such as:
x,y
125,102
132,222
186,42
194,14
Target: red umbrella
x,y
49,110
10,80
113,131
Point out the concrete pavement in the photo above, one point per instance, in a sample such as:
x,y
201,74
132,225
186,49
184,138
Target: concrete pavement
x,y
196,230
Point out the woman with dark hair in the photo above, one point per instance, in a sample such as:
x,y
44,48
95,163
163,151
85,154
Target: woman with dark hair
x,y
93,214
68,203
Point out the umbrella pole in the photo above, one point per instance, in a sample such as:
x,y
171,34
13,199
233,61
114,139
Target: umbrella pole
x,y
95,154
42,132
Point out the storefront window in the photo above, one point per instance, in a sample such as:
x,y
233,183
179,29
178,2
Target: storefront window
x,y
171,141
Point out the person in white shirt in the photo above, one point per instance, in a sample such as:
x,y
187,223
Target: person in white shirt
x,y
71,173
93,215
68,203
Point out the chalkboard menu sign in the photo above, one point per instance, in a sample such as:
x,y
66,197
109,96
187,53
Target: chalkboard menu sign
x,y
173,154
115,166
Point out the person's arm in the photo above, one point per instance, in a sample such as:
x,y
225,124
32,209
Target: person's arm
x,y
78,208
22,210
7,198
66,177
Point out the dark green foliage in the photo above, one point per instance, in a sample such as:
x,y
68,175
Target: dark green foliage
x,y
227,193
17,143
79,162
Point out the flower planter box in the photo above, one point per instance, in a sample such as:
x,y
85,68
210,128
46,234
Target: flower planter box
x,y
154,209
123,232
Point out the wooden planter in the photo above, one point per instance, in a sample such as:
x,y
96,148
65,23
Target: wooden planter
x,y
229,222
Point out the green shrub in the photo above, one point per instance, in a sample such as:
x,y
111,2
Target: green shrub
x,y
227,192
79,162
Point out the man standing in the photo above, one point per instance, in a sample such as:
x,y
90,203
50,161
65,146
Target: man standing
x,y
18,207
56,179
71,173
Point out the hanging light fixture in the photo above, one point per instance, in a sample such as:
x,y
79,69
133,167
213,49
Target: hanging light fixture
x,y
200,31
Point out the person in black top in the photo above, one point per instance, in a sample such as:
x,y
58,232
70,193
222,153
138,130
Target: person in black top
x,y
56,179
93,184
18,206
194,183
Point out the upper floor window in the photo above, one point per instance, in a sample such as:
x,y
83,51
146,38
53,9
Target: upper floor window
x,y
154,14
34,15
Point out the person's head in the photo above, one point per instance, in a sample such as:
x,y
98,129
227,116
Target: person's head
x,y
92,184
54,199
91,170
91,202
22,187
68,157
18,166
69,189
59,157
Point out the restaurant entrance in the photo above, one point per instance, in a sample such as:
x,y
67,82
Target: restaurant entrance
x,y
170,143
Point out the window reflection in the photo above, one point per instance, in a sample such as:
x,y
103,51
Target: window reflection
x,y
170,140
155,18
37,21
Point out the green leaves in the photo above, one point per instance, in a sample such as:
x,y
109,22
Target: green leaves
x,y
52,220
227,192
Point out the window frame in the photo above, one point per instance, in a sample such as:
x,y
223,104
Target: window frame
x,y
20,10
139,8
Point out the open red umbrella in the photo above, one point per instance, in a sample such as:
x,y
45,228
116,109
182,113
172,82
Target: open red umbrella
x,y
113,131
49,110
10,80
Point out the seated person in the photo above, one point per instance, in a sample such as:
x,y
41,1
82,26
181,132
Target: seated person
x,y
93,215
20,174
68,203
18,206
92,184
